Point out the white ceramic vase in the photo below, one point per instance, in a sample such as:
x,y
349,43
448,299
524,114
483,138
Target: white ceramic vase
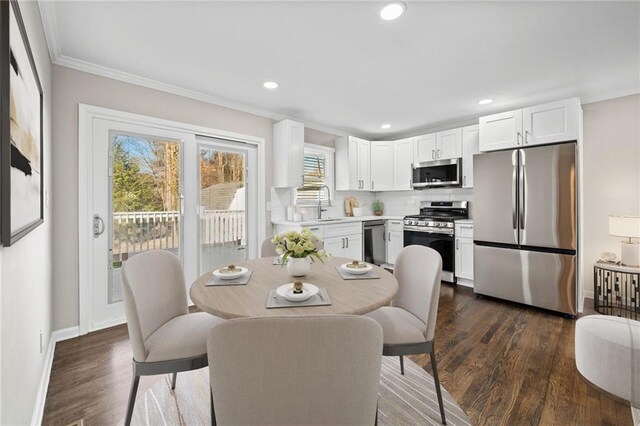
x,y
298,266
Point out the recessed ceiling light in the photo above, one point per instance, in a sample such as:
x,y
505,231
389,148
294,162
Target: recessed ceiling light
x,y
485,101
385,126
270,85
393,10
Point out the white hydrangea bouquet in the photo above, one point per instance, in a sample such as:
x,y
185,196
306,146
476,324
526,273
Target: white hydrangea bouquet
x,y
299,245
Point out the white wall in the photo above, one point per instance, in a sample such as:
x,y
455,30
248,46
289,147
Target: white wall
x,y
611,174
25,274
73,87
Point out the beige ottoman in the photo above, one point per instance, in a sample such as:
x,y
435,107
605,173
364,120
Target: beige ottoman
x,y
608,355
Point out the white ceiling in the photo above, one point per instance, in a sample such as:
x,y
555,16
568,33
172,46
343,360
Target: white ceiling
x,y
340,65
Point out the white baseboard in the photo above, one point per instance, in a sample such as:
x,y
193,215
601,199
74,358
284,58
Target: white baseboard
x,y
588,294
464,282
41,396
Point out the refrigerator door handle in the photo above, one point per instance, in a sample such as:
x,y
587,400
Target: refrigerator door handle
x,y
523,186
514,190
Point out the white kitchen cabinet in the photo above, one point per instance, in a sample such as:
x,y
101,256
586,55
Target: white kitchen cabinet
x,y
403,151
352,163
344,240
395,239
501,131
470,141
288,154
425,148
449,144
382,165
552,122
353,248
537,125
464,253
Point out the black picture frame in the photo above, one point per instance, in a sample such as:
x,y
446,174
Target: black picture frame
x,y
7,235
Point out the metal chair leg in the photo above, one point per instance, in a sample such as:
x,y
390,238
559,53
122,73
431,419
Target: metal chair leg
x,y
376,421
173,381
132,398
213,411
401,365
432,355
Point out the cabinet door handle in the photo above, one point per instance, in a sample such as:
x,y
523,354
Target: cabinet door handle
x,y
438,154
396,223
433,154
371,184
518,136
526,137
466,226
342,242
389,236
314,229
347,242
457,244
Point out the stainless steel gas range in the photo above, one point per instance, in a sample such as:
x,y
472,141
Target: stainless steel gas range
x,y
434,227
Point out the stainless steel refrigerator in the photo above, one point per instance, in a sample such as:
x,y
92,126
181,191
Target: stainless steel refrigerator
x,y
525,226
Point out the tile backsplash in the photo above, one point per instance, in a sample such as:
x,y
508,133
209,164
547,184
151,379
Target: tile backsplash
x,y
396,203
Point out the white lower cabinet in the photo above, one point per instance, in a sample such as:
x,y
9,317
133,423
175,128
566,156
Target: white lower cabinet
x,y
348,246
464,253
395,239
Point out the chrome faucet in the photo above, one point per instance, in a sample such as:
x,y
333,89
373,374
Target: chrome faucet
x,y
320,209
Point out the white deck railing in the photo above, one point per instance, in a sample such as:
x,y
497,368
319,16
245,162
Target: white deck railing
x,y
135,232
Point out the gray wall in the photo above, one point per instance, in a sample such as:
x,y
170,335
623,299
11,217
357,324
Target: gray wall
x,y
611,173
73,87
25,274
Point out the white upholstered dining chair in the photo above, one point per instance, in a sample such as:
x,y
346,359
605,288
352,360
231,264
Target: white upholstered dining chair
x,y
409,323
164,336
321,370
268,249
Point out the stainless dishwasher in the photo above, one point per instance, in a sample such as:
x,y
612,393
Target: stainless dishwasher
x,y
375,245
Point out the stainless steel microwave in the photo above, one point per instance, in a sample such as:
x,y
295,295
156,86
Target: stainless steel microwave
x,y
431,174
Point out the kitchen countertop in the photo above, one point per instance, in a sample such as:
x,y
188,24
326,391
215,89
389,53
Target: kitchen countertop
x,y
337,220
467,221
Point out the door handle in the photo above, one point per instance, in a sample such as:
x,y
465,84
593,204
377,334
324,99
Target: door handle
x,y
389,236
526,137
518,136
98,226
371,184
347,242
523,185
457,244
342,243
514,190
433,154
464,181
438,154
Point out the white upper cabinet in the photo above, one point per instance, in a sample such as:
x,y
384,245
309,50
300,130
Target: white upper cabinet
x,y
288,154
501,131
552,122
382,166
470,140
364,164
403,151
542,124
353,156
425,148
449,144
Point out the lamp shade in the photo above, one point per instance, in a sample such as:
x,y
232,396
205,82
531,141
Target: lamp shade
x,y
624,226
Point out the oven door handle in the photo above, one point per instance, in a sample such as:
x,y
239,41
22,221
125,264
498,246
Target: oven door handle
x,y
425,231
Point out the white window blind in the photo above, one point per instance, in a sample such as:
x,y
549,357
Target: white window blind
x,y
318,171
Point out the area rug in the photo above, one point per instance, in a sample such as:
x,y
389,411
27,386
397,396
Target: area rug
x,y
404,400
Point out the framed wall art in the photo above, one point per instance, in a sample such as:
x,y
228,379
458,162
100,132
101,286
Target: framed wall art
x,y
21,130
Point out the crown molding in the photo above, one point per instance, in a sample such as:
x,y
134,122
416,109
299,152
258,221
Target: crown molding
x,y
611,95
50,26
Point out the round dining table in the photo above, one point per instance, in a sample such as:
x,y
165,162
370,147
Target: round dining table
x,y
348,297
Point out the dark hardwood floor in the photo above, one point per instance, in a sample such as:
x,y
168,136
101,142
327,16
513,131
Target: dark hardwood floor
x,y
503,363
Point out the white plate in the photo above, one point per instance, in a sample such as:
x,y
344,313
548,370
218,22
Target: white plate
x,y
308,291
230,275
356,271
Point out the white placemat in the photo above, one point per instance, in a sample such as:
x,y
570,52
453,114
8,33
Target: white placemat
x,y
242,280
347,276
274,300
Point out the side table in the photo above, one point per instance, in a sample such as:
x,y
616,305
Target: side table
x,y
616,290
